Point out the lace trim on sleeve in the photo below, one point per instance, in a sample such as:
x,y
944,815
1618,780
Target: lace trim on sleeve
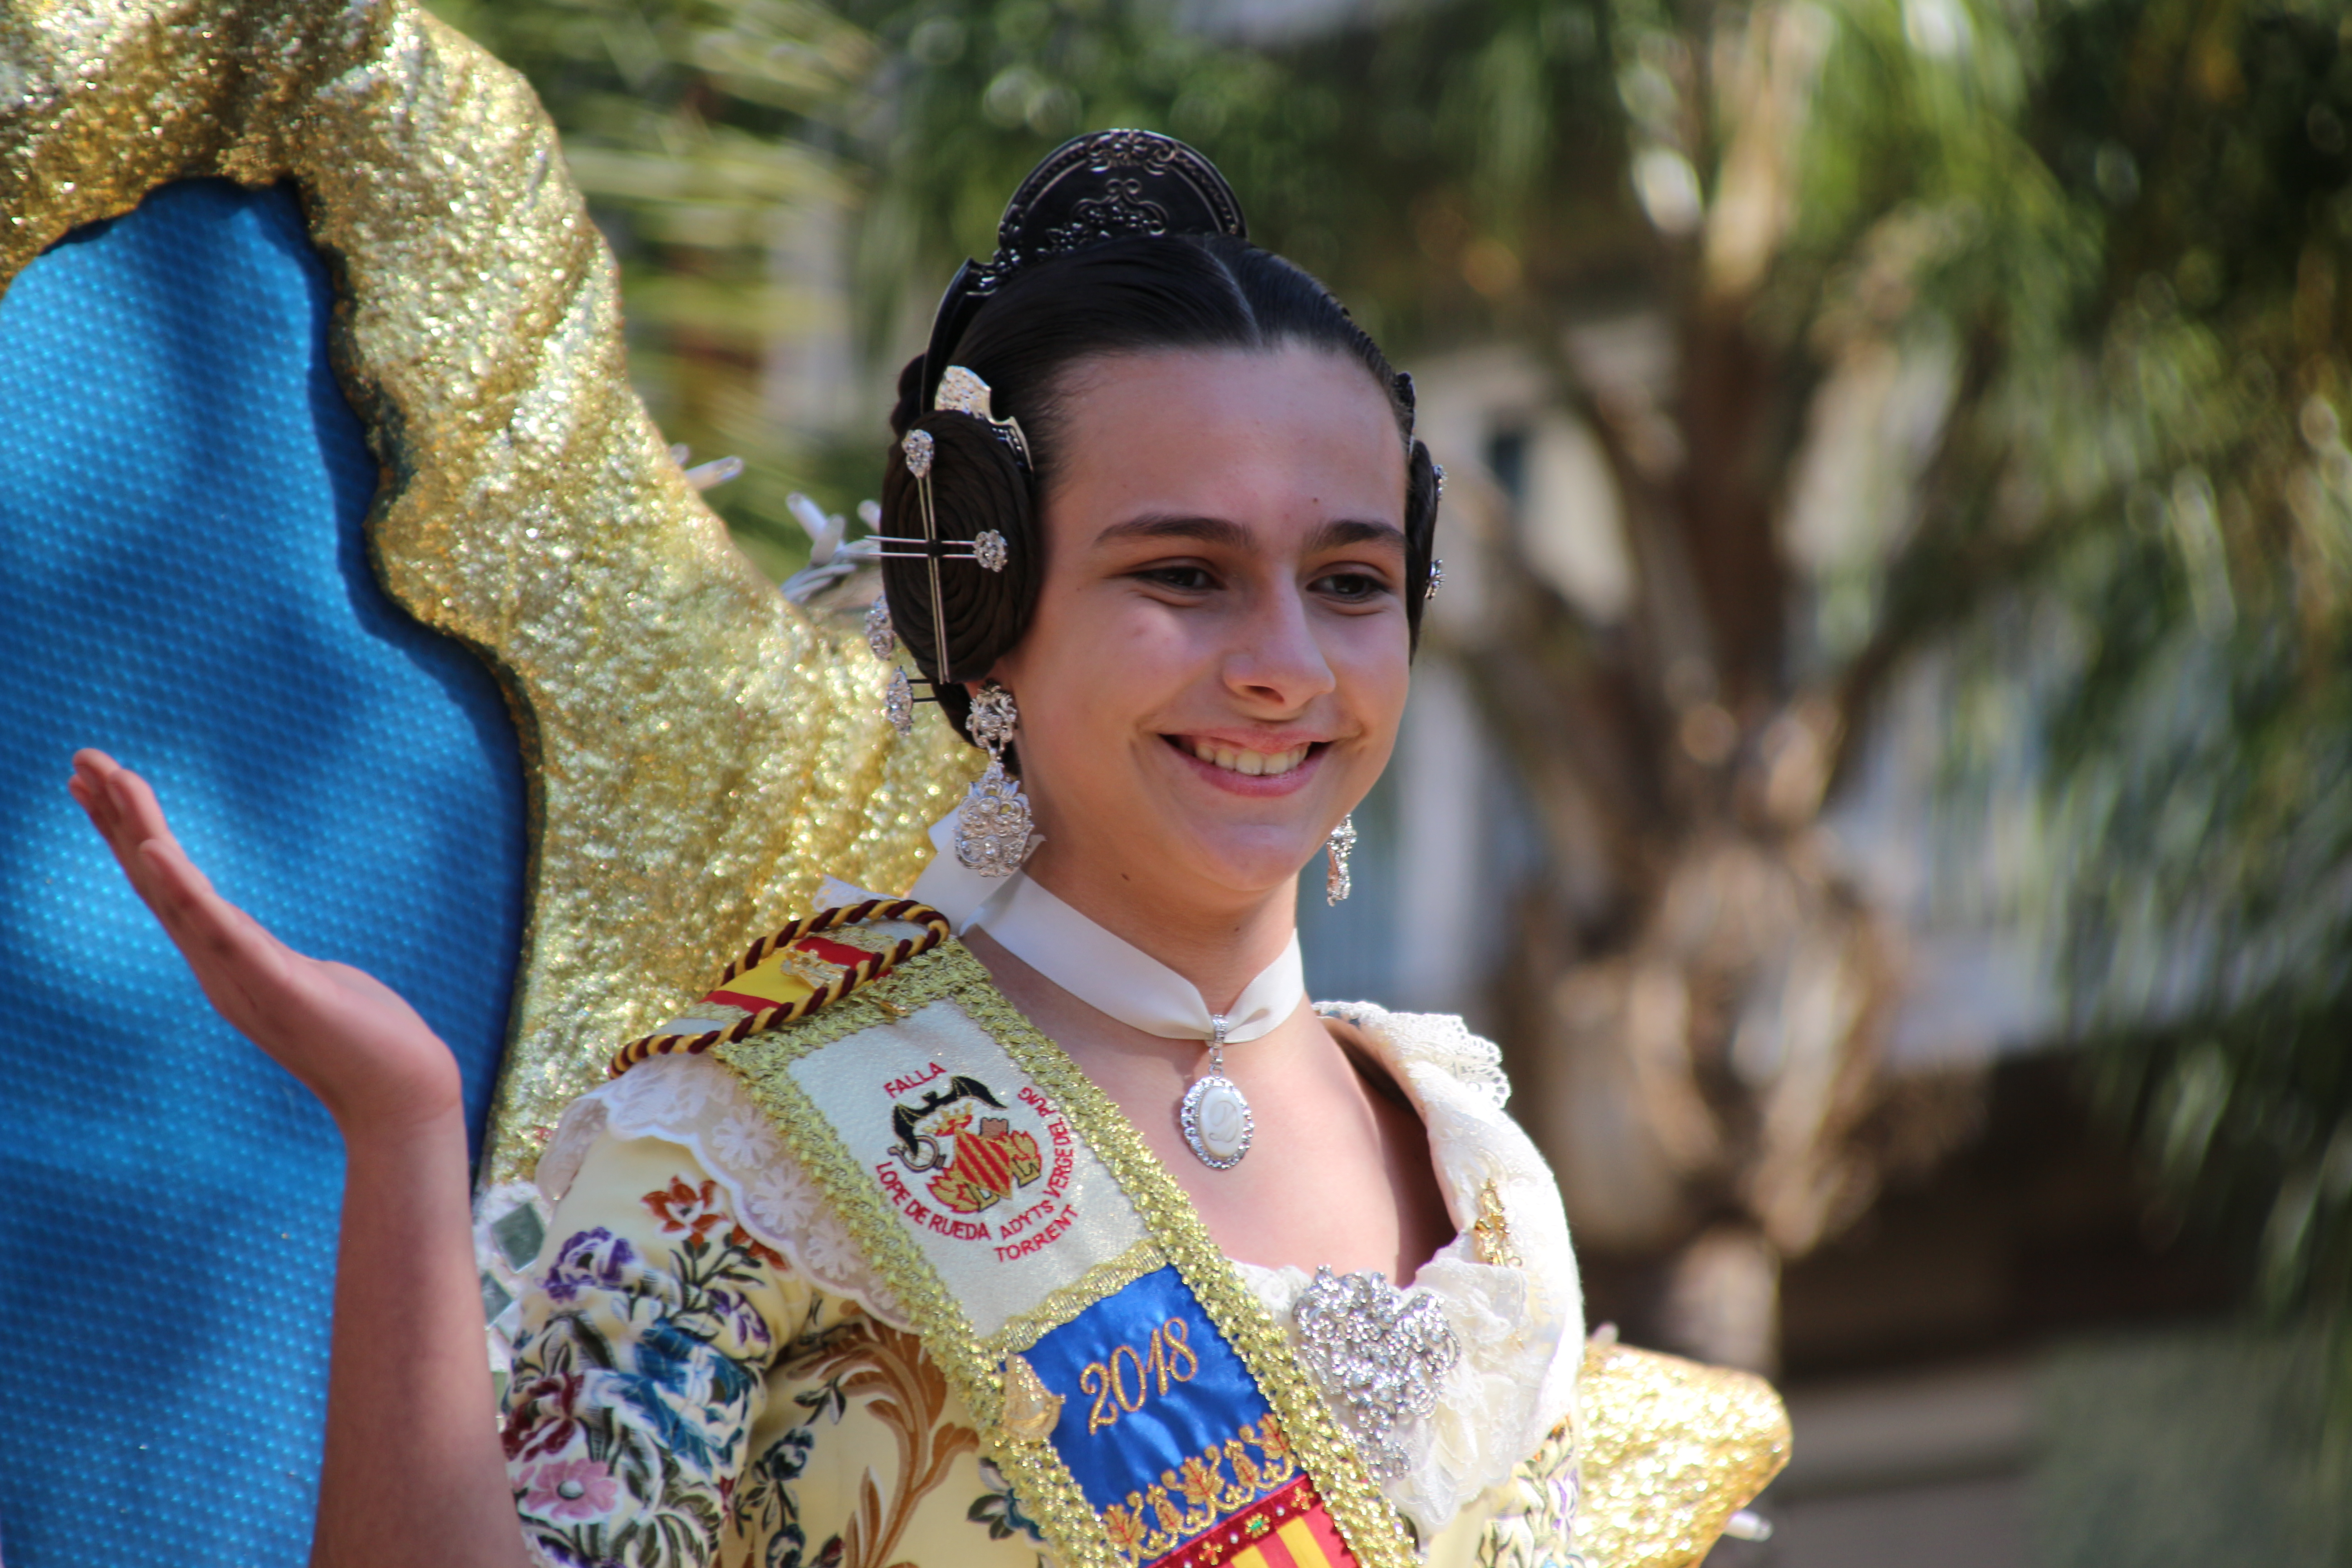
x,y
697,1102
1439,1040
1521,1327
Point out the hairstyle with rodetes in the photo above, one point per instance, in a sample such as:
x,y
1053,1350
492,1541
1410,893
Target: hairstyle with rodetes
x,y
1145,285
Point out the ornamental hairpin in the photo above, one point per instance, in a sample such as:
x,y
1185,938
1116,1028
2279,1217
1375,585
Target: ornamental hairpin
x,y
920,449
987,548
962,392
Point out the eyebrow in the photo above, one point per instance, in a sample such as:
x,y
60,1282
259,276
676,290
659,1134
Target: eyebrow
x,y
1341,533
1223,533
1215,531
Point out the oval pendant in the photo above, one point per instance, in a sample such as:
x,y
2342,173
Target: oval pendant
x,y
1217,1122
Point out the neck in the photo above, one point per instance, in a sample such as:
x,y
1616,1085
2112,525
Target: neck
x,y
1219,945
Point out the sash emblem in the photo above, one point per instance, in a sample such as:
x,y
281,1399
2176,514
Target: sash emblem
x,y
978,1160
971,1148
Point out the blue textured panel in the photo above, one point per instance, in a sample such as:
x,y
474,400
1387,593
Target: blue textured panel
x,y
184,582
1203,1395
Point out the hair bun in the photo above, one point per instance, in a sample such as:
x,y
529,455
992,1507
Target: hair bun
x,y
1422,487
976,487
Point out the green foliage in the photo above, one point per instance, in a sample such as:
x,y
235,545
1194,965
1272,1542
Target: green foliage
x,y
2180,1449
2174,485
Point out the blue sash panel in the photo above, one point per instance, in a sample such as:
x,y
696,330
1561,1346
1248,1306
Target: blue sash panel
x,y
185,581
1146,1383
1170,1440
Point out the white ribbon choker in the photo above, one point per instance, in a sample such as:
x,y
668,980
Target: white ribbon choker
x,y
1116,977
1104,972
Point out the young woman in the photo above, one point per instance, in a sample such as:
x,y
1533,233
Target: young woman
x,y
1084,1237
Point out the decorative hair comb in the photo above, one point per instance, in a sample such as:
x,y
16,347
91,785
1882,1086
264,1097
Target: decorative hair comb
x,y
1106,185
986,549
962,392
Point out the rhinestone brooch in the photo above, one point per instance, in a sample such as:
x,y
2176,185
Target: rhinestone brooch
x,y
1379,1354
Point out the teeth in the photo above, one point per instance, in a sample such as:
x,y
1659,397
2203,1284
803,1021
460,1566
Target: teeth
x,y
1254,763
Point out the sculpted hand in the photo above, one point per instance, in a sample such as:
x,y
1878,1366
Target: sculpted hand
x,y
347,1037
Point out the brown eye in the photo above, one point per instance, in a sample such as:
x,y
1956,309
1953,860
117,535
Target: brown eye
x,y
1183,579
1353,587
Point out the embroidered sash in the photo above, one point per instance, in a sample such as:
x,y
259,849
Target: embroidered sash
x,y
1145,1407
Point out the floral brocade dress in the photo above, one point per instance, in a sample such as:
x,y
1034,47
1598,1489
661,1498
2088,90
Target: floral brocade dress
x,y
705,1370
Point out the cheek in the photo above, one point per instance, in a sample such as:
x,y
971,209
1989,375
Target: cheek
x,y
1374,674
1124,660
1083,683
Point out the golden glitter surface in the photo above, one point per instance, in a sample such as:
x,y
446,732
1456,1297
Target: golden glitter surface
x,y
700,753
1672,1450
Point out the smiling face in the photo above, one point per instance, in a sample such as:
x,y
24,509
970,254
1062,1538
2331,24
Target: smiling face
x,y
1217,663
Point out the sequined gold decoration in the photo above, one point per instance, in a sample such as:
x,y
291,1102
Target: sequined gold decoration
x,y
1491,1233
1672,1450
700,753
1030,1407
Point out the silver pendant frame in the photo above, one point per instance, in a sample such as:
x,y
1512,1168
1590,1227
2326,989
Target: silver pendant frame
x,y
1189,1116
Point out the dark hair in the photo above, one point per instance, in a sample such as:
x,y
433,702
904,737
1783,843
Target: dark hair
x,y
1190,292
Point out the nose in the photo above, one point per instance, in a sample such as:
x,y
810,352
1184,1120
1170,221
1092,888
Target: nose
x,y
1277,662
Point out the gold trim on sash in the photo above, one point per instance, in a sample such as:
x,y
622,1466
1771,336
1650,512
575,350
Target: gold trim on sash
x,y
1099,1283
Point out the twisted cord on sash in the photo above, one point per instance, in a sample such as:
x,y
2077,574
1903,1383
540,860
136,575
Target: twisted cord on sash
x,y
853,977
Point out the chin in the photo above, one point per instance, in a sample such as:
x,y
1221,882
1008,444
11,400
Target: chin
x,y
1251,860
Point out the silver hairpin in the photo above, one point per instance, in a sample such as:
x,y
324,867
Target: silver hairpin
x,y
988,548
1436,575
919,449
962,392
898,698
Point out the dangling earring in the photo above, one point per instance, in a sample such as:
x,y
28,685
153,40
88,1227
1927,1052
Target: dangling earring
x,y
993,830
1337,882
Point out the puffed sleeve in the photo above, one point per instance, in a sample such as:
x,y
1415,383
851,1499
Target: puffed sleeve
x,y
646,1330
